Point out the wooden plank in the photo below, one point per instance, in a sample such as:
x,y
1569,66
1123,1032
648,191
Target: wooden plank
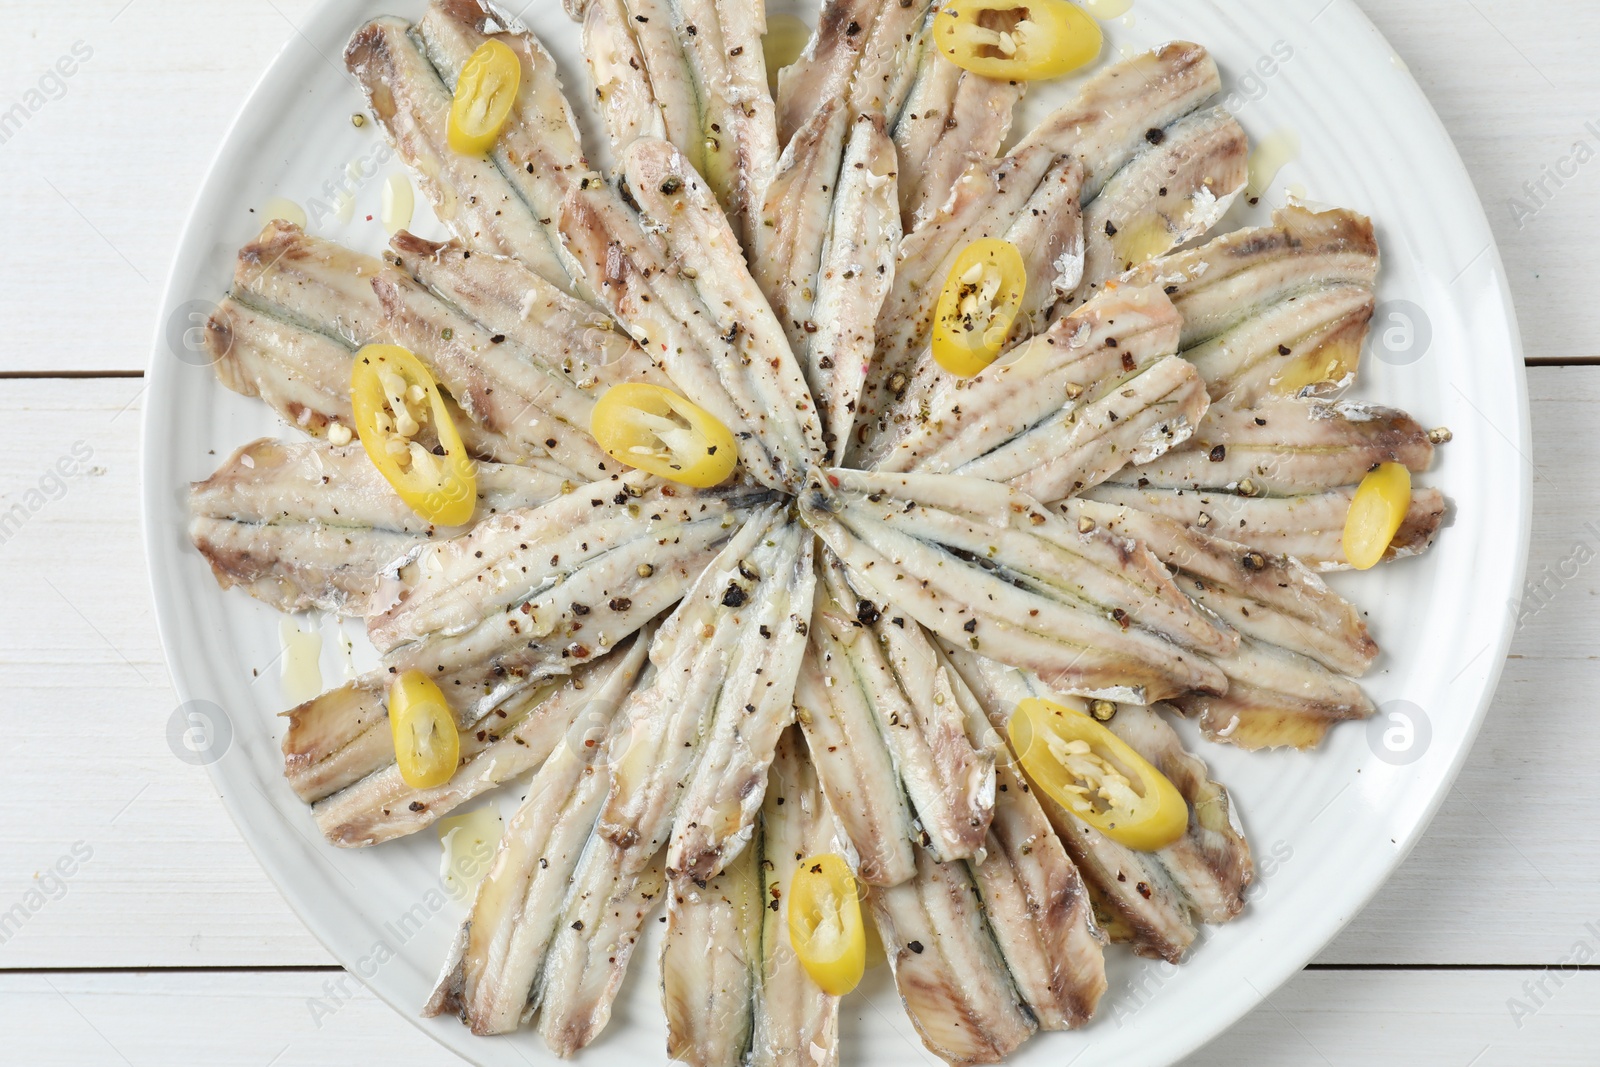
x,y
1504,876
1513,82
1425,1019
99,182
100,176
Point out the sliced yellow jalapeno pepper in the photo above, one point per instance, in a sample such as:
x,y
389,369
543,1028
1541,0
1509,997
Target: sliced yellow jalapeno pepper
x,y
980,301
426,744
825,926
657,431
395,398
1375,515
1017,40
484,94
1097,776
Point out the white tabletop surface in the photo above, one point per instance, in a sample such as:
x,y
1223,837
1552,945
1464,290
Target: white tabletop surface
x,y
167,944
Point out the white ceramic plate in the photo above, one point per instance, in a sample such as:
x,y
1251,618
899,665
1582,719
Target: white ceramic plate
x,y
1327,827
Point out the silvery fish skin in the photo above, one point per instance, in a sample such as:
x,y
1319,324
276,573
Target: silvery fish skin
x,y
534,727
699,655
565,335
1273,599
1036,902
882,717
1276,698
1226,281
1175,189
304,525
1307,526
865,52
711,962
989,568
1286,447
1151,900
796,1023
531,594
947,967
517,410
684,294
540,150
469,194
1028,198
951,118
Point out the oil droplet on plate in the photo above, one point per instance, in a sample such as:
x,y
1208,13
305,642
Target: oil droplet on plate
x,y
1272,154
301,676
278,208
783,42
398,203
1107,9
469,844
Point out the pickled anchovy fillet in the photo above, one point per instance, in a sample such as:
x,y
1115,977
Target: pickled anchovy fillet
x,y
1309,526
1231,279
865,52
853,282
1036,902
1307,343
692,72
1175,189
1287,446
491,978
1276,698
539,149
1273,599
705,658
489,615
525,411
1030,199
721,798
302,375
312,525
1116,111
683,292
948,969
796,1023
951,118
797,216
989,568
885,727
1152,900
710,964
533,593
469,194
992,421
534,728
560,333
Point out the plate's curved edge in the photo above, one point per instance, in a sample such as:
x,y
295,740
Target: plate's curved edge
x,y
1324,934
324,23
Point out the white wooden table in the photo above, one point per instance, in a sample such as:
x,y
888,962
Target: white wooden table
x,y
167,944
